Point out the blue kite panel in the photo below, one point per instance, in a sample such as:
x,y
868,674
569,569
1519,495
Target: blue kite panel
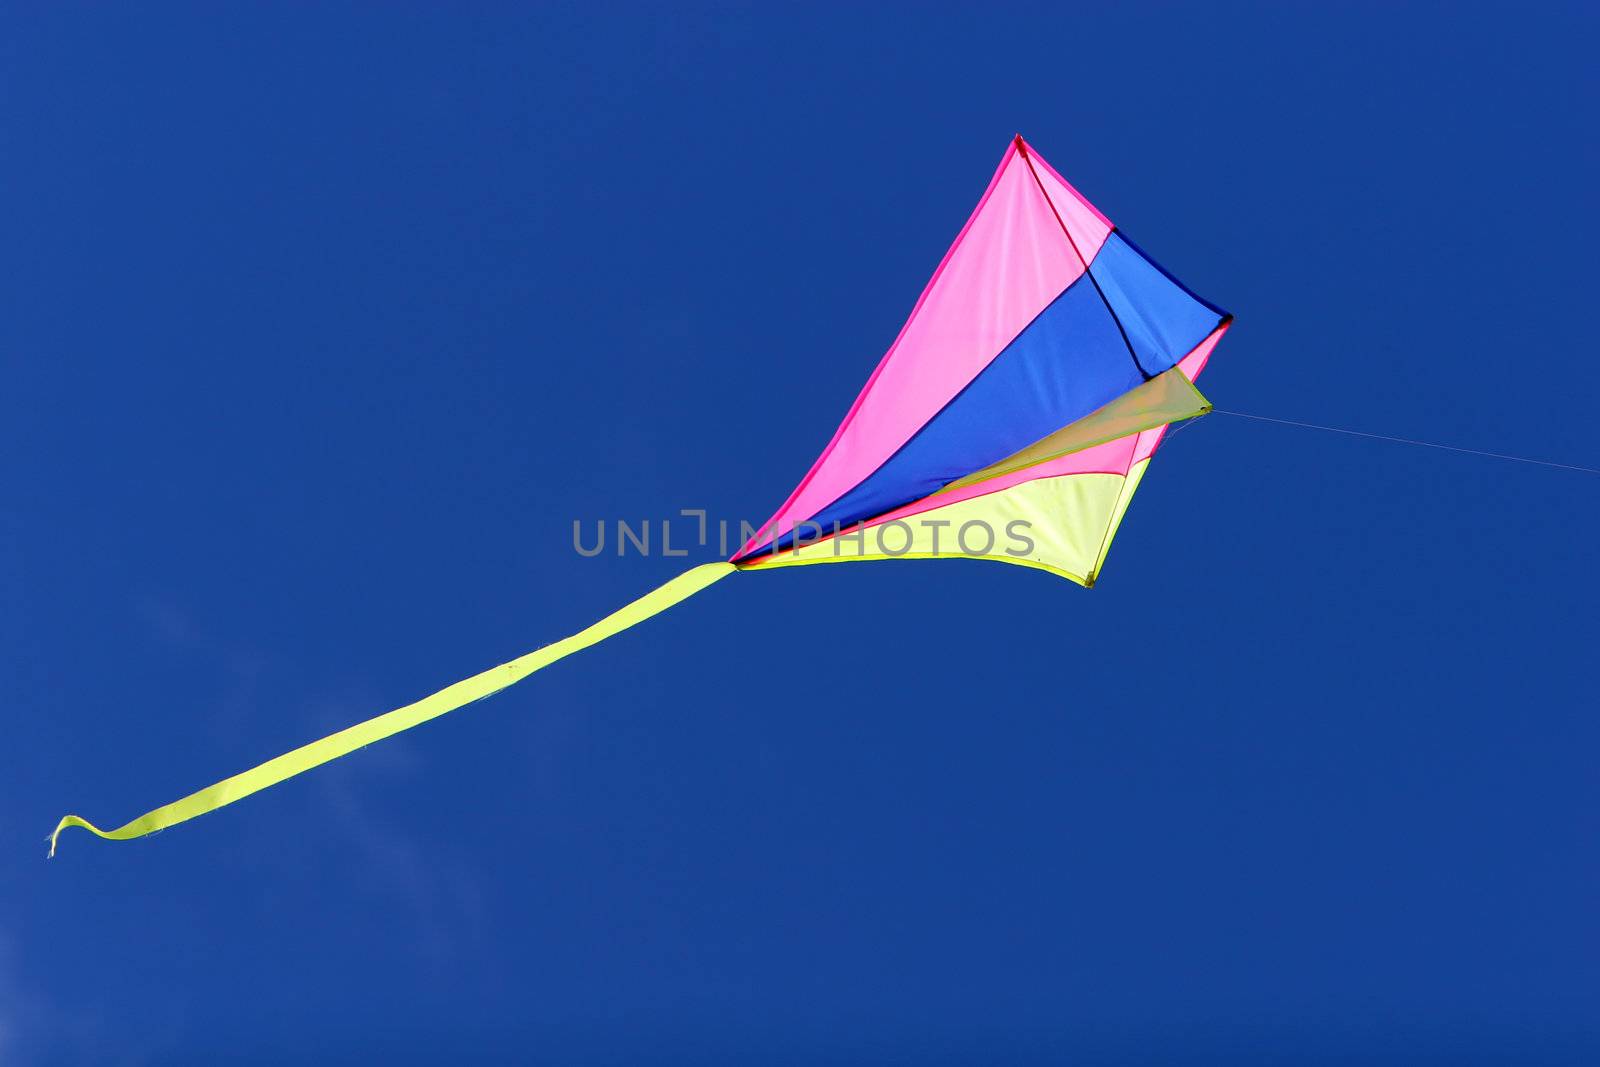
x,y
1164,320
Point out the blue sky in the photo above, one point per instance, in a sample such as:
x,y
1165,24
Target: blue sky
x,y
323,324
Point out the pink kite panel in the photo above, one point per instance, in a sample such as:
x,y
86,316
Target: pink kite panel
x,y
1008,263
1081,218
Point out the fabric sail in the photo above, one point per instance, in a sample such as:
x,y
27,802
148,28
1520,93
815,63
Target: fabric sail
x,y
1012,419
1021,402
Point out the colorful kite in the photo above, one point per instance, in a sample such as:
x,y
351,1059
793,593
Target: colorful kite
x,y
1011,420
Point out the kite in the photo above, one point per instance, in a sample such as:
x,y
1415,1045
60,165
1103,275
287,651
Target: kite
x,y
1011,420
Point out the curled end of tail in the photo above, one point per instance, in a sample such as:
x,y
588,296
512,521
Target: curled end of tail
x,y
73,820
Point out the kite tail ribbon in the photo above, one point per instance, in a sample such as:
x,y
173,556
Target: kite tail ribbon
x,y
445,700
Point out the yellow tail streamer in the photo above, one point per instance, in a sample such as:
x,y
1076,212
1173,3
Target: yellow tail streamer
x,y
387,725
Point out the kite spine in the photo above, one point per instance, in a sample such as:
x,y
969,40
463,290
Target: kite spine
x,y
1022,150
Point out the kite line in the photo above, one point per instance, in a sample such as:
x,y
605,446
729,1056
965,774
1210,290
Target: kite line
x,y
1407,441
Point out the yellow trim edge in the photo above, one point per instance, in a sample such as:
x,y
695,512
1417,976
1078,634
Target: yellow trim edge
x,y
772,563
390,723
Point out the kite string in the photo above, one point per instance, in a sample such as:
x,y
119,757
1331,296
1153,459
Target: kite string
x,y
1407,441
